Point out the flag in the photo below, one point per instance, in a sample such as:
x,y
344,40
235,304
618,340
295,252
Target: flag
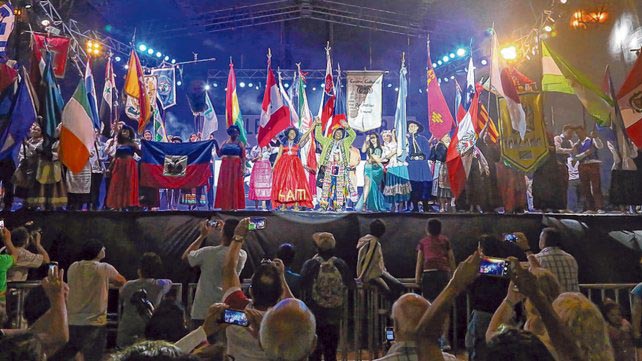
x,y
502,83
51,102
288,100
559,76
135,88
232,109
175,165
622,140
210,120
23,114
58,46
160,135
275,115
305,118
440,121
470,82
459,106
483,118
339,114
77,133
91,95
166,90
629,99
401,117
109,100
8,76
7,19
460,150
326,109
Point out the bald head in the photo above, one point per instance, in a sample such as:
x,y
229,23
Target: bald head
x,y
288,331
406,314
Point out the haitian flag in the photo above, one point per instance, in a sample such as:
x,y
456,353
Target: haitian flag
x,y
175,165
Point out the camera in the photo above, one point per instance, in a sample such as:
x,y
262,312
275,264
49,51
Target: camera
x,y
143,305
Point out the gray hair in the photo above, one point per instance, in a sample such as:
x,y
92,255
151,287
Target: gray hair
x,y
288,331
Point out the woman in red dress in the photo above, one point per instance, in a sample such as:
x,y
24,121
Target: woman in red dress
x,y
230,193
289,184
123,186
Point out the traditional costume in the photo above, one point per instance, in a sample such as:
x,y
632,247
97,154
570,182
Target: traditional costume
x,y
289,184
47,190
334,168
230,193
418,169
123,185
372,198
397,187
261,176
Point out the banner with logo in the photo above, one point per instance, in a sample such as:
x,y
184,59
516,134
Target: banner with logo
x,y
166,87
364,90
525,154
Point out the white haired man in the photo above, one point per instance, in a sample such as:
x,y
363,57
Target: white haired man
x,y
288,331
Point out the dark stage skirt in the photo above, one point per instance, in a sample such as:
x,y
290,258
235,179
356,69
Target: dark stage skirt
x,y
512,188
550,181
479,188
420,180
123,186
289,183
149,197
230,194
625,187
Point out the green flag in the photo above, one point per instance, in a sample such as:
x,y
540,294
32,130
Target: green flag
x,y
559,76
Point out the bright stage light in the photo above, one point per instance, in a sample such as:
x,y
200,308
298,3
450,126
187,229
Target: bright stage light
x,y
446,80
150,51
45,22
117,59
509,52
250,85
242,84
548,28
484,62
215,85
389,85
126,66
314,88
445,58
159,54
461,52
142,47
207,87
563,1
396,89
286,85
173,61
179,83
452,55
257,87
439,62
434,65
166,58
452,77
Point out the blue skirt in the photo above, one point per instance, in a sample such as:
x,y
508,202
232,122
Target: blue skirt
x,y
397,188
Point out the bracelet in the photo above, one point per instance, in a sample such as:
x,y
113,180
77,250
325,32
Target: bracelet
x,y
238,238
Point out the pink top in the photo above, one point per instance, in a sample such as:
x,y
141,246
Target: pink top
x,y
435,251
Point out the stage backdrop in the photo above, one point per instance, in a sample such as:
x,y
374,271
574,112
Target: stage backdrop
x,y
601,258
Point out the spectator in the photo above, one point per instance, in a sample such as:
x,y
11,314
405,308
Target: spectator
x,y
168,321
515,344
209,260
286,254
636,313
435,262
326,278
370,265
89,281
553,258
138,298
6,261
620,331
293,340
405,321
26,260
153,351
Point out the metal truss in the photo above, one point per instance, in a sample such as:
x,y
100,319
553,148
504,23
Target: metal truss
x,y
261,74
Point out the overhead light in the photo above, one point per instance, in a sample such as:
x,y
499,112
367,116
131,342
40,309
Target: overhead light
x,y
314,88
389,85
242,84
446,80
445,58
117,58
45,22
257,87
461,52
173,61
250,85
215,85
179,83
548,28
150,51
207,87
28,6
509,52
142,47
396,89
563,1
484,62
439,62
434,65
126,66
452,77
286,85
166,58
452,55
159,54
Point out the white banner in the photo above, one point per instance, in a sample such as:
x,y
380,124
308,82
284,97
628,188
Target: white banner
x,y
364,99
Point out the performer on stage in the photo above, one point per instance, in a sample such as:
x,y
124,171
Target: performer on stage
x,y
194,197
418,169
440,179
230,193
397,189
123,186
334,167
261,176
149,197
290,186
372,198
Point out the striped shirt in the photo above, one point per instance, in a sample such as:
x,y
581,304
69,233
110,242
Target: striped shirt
x,y
563,266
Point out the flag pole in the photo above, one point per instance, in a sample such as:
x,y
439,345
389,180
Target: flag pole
x,y
490,78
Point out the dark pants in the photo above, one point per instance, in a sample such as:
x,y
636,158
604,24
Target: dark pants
x,y
432,283
476,336
327,343
7,168
96,180
90,340
591,186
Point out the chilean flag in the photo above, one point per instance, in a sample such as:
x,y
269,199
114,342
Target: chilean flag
x,y
175,165
275,115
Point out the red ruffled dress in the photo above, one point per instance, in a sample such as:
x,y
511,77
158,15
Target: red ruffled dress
x,y
230,193
289,184
123,186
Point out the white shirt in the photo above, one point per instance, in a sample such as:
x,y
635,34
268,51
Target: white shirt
x,y
26,260
407,351
573,168
88,288
209,289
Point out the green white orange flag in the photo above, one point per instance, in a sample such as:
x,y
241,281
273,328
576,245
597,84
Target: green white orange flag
x,y
233,114
560,76
77,132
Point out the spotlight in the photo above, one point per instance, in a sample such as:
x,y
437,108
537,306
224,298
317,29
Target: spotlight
x,y
159,54
439,62
179,83
452,77
126,66
45,22
314,88
452,55
28,6
389,85
484,62
173,61
215,85
420,91
118,59
150,51
461,52
286,85
242,84
563,1
257,87
445,58
396,89
207,87
250,85
446,80
434,65
142,47
509,52
548,28
166,58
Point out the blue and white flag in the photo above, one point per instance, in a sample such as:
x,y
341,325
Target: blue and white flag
x,y
166,89
401,121
470,82
210,120
23,114
7,19
91,95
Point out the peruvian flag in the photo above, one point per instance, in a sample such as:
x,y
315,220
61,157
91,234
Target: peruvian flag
x,y
460,151
275,115
629,98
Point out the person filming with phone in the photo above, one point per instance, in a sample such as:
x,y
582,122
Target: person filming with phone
x,y
22,238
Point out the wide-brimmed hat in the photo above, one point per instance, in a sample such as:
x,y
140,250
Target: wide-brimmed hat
x,y
324,240
421,127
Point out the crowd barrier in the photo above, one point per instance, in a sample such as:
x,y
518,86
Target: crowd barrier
x,y
365,315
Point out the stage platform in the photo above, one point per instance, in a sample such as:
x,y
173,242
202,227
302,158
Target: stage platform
x,y
607,247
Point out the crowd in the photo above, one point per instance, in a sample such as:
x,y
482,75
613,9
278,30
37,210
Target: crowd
x,y
318,171
530,310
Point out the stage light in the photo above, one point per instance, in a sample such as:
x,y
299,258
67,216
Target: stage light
x,y
314,88
452,55
166,58
28,6
509,52
563,1
446,80
126,66
142,47
434,65
207,87
45,22
548,28
484,62
389,85
242,84
396,89
452,77
173,61
118,59
421,91
159,54
250,85
286,85
445,58
257,87
439,62
179,83
461,52
150,51
215,85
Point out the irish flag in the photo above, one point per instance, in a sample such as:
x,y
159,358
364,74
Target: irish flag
x,y
77,133
275,115
233,114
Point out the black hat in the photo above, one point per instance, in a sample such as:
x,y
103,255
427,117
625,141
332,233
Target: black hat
x,y
420,126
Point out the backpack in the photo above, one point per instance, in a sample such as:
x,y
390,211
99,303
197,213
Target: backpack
x,y
327,288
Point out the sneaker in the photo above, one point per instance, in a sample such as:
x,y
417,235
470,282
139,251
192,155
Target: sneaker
x,y
444,345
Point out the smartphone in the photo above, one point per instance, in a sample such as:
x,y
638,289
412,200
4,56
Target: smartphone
x,y
52,268
1,224
234,317
494,267
256,223
390,334
216,223
510,237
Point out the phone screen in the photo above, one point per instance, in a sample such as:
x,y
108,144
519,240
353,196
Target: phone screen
x,y
510,237
234,317
1,223
495,267
256,223
390,334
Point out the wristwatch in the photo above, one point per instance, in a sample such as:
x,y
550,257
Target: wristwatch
x,y
238,238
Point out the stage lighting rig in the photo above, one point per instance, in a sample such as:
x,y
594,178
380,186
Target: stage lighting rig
x,y
509,52
94,48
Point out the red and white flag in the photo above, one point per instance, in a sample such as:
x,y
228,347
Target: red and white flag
x,y
275,115
629,98
326,108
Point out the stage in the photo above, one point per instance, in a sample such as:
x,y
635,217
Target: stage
x,y
607,247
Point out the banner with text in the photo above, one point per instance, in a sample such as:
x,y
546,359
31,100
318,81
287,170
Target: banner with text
x,y
364,99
